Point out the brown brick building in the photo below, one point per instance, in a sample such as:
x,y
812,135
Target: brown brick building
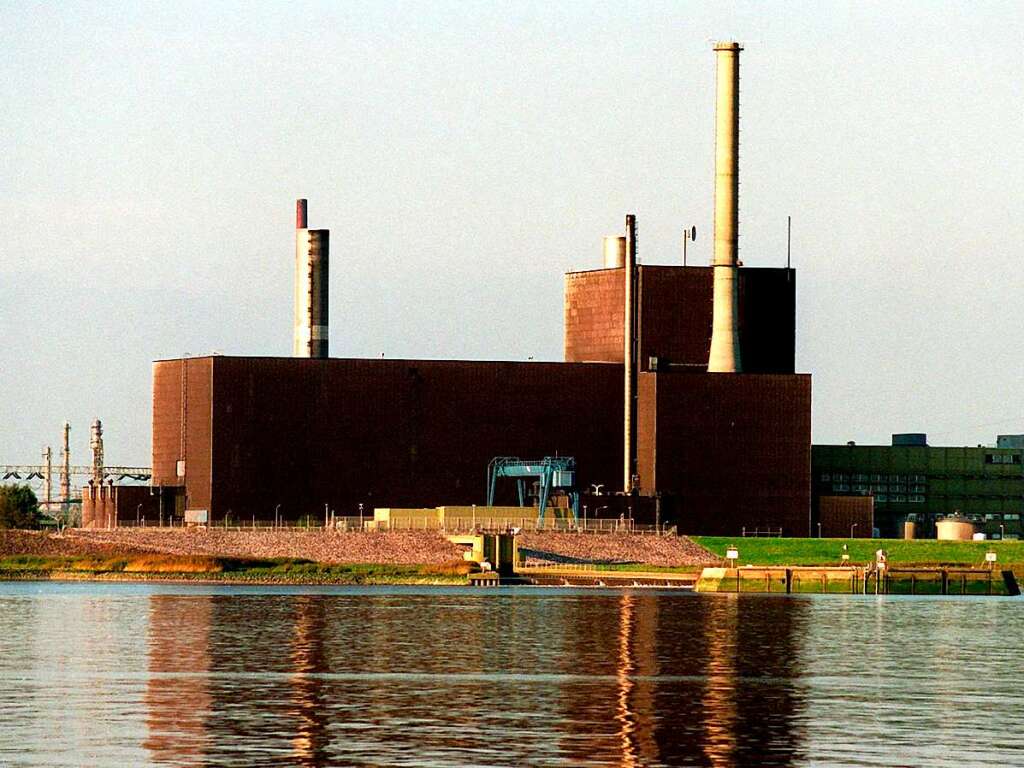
x,y
674,313
723,452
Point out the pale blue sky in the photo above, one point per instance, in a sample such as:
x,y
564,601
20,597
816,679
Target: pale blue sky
x,y
464,155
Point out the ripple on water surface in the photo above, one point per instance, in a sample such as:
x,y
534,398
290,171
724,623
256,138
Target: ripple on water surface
x,y
94,674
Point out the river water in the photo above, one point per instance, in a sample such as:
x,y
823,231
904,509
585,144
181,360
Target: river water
x,y
140,674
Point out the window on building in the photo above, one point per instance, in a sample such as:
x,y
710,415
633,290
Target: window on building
x,y
881,498
917,499
1002,458
826,478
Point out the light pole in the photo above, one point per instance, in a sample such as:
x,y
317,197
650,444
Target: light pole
x,y
690,234
277,511
851,529
1002,531
361,517
138,515
819,529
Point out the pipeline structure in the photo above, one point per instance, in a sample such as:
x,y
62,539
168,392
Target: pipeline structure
x,y
40,477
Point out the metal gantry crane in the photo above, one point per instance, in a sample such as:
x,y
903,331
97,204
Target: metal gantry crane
x,y
551,472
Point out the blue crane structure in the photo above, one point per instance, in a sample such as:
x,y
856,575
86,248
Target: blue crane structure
x,y
551,471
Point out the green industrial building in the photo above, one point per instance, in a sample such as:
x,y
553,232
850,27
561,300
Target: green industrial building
x,y
911,480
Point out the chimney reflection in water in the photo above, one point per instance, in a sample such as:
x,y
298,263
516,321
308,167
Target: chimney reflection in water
x,y
720,691
310,739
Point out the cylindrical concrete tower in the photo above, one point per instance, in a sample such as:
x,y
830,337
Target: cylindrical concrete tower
x,y
725,341
312,257
614,252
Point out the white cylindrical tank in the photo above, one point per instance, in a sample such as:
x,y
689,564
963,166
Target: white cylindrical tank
x,y
614,252
954,529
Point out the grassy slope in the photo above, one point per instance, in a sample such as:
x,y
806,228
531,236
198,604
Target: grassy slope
x,y
224,569
768,551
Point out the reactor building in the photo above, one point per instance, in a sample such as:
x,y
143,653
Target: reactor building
x,y
678,388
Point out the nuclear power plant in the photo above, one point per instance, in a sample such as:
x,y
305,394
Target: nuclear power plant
x,y
678,397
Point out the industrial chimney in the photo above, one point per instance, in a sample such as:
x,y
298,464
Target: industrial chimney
x,y
96,443
629,356
65,468
312,256
725,340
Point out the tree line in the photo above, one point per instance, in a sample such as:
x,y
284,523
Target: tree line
x,y
19,507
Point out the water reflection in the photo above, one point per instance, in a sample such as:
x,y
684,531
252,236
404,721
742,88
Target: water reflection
x,y
177,697
719,743
246,677
627,679
308,660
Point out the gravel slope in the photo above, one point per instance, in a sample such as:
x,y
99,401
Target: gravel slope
x,y
393,547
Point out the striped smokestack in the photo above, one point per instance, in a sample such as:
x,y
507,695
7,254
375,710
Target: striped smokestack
x,y
312,260
725,340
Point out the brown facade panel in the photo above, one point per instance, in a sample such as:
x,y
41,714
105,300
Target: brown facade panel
x,y
593,316
675,316
182,391
166,420
305,433
843,516
732,451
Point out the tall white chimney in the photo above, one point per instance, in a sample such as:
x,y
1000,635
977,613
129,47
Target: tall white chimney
x,y
725,340
312,261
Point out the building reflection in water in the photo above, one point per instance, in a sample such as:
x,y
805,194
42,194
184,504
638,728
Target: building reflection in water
x,y
702,680
177,696
629,678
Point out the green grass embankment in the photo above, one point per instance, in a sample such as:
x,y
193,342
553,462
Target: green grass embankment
x,y
956,556
219,569
918,552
